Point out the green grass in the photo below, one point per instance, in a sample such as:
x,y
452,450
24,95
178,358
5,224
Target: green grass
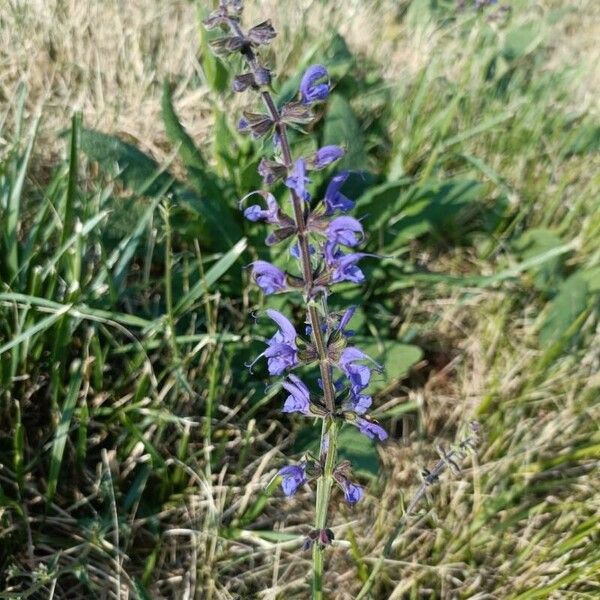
x,y
137,453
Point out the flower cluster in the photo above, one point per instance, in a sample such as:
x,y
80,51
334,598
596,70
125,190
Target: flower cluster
x,y
322,240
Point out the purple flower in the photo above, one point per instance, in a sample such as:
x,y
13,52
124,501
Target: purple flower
x,y
371,429
299,398
297,180
343,266
270,215
358,374
268,277
348,314
295,250
293,477
334,199
352,492
313,87
345,230
326,155
359,403
281,352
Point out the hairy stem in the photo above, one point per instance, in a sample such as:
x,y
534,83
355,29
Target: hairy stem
x,y
330,429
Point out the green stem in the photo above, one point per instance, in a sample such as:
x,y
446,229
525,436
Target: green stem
x,y
329,430
329,434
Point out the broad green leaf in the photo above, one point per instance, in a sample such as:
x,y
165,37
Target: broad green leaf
x,y
176,132
214,70
136,170
534,242
565,307
342,128
352,445
395,357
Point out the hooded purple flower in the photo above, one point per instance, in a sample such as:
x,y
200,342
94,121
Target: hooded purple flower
x,y
343,266
359,403
345,230
313,86
281,352
293,477
352,492
358,374
299,398
334,199
270,215
297,180
326,155
371,429
268,277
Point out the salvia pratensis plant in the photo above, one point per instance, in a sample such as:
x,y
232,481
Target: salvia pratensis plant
x,y
322,239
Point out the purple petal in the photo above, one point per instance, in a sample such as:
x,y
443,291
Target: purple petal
x,y
326,155
347,231
268,277
353,493
348,314
334,199
371,430
287,329
312,86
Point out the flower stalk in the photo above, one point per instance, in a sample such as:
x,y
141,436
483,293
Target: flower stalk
x,y
317,237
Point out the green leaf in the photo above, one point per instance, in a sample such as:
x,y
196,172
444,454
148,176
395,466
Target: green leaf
x,y
176,132
136,170
397,359
534,242
352,445
342,128
566,306
521,40
62,431
215,73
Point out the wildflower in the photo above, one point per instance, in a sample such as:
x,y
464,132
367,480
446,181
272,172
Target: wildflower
x,y
293,477
334,199
256,213
312,86
358,374
359,403
325,156
343,266
371,429
352,492
345,230
297,180
281,352
299,398
268,277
